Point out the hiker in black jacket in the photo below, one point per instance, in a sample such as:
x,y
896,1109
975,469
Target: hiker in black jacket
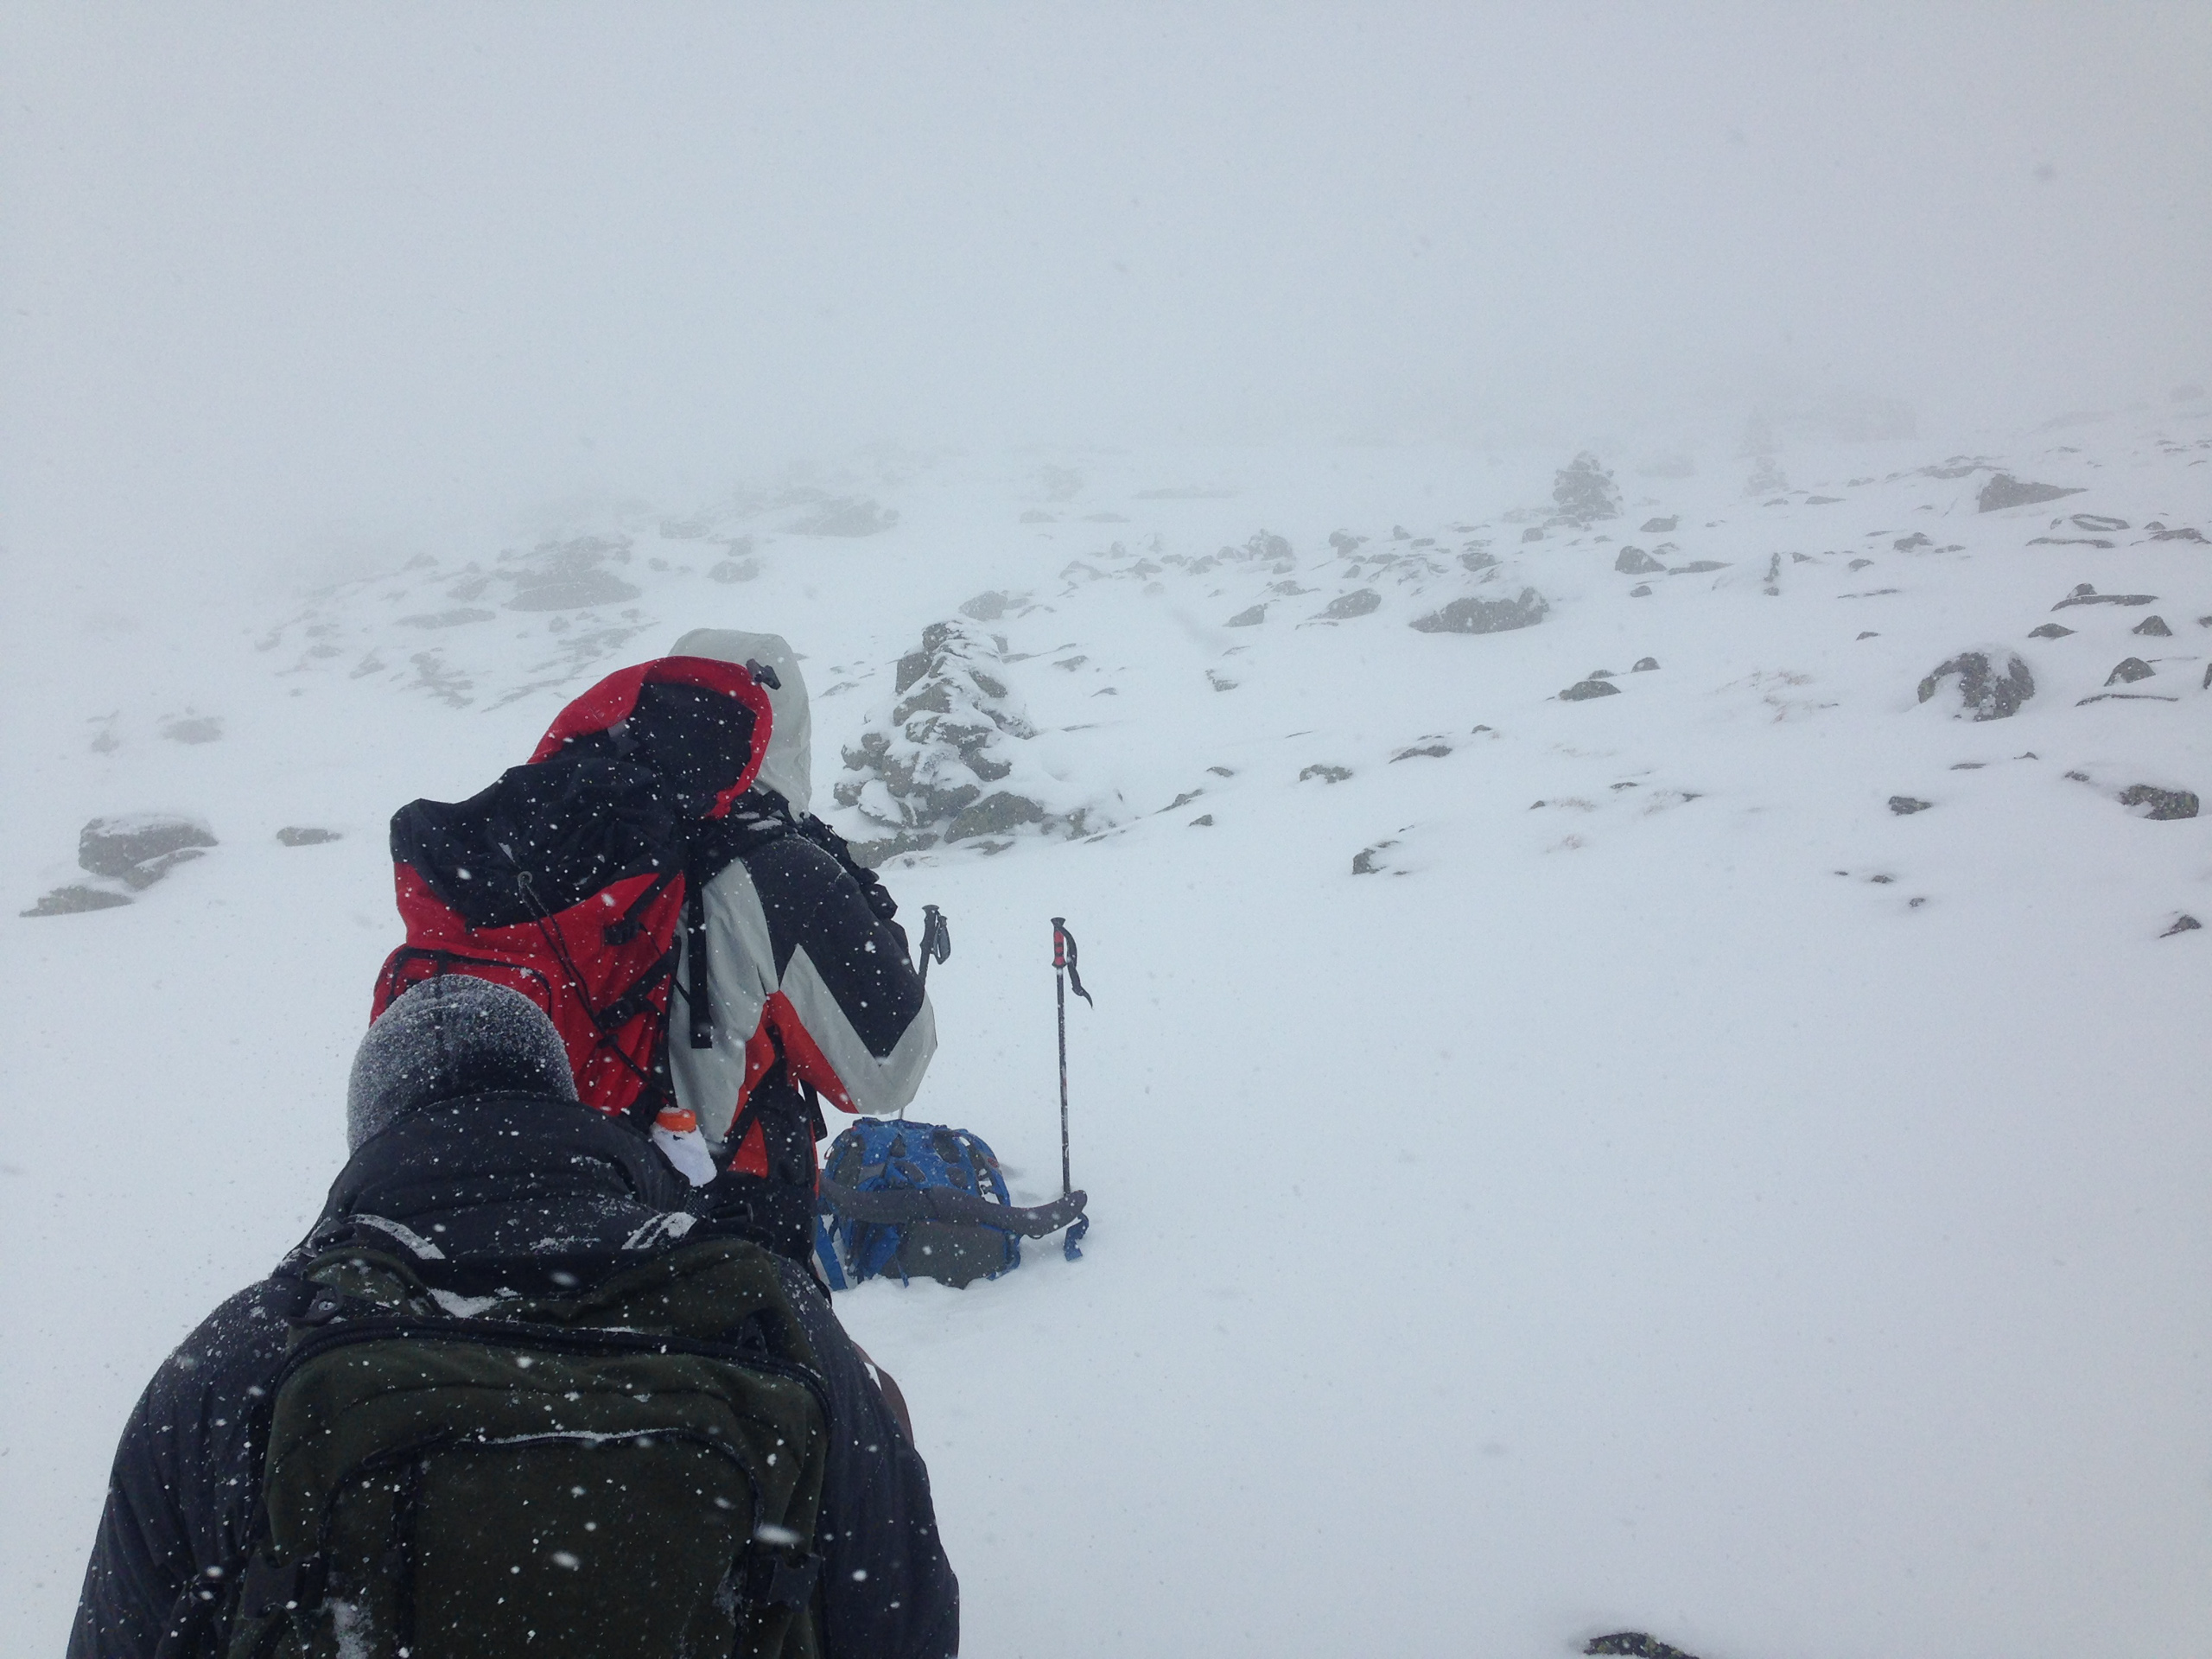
x,y
472,1157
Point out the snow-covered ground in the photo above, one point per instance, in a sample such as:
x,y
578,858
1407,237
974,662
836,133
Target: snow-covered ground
x,y
1559,1164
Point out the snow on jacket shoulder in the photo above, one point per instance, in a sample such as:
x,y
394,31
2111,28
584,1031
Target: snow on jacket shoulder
x,y
797,958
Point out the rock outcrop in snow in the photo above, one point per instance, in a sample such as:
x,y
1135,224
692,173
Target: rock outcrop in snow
x,y
1585,492
945,764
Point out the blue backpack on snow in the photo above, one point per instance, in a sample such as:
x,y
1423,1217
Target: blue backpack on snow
x,y
925,1201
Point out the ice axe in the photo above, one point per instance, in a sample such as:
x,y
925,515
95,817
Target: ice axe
x,y
1064,975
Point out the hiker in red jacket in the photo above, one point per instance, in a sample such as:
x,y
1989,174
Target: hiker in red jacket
x,y
715,959
810,987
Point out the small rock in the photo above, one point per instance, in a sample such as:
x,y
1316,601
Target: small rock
x,y
986,607
1988,694
1471,615
1368,860
2183,535
1478,561
1633,1644
139,849
1635,561
1659,526
1859,564
1644,665
1698,567
1400,533
853,517
2154,627
2085,594
1642,590
1586,690
1343,609
1433,751
585,587
1204,821
1906,544
1326,773
306,835
2208,677
2050,631
1534,533
994,814
1250,617
195,728
2098,521
730,570
2130,670
1344,541
1870,634
2165,805
1905,805
2005,490
1039,516
2184,923
75,899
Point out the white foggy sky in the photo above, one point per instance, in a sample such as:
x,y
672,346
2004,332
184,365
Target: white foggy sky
x,y
278,265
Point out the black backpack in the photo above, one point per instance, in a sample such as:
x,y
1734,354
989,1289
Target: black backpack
x,y
633,1470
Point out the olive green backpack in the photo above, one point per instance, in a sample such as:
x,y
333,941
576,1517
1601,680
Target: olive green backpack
x,y
629,1471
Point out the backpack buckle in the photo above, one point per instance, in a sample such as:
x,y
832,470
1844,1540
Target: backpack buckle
x,y
781,1580
327,1306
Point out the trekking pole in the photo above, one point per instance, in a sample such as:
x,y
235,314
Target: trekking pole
x,y
937,945
936,940
1064,974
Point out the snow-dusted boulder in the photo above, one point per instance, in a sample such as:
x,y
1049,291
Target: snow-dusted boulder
x,y
1468,614
139,849
1986,690
2005,490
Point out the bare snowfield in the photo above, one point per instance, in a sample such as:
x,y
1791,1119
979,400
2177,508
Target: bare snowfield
x,y
1665,1186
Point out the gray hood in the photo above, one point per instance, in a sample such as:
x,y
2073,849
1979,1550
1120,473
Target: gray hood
x,y
788,768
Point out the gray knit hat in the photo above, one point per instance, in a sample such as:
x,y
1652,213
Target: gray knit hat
x,y
447,1037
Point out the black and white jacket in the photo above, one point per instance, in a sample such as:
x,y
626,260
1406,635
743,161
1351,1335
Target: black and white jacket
x,y
810,983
